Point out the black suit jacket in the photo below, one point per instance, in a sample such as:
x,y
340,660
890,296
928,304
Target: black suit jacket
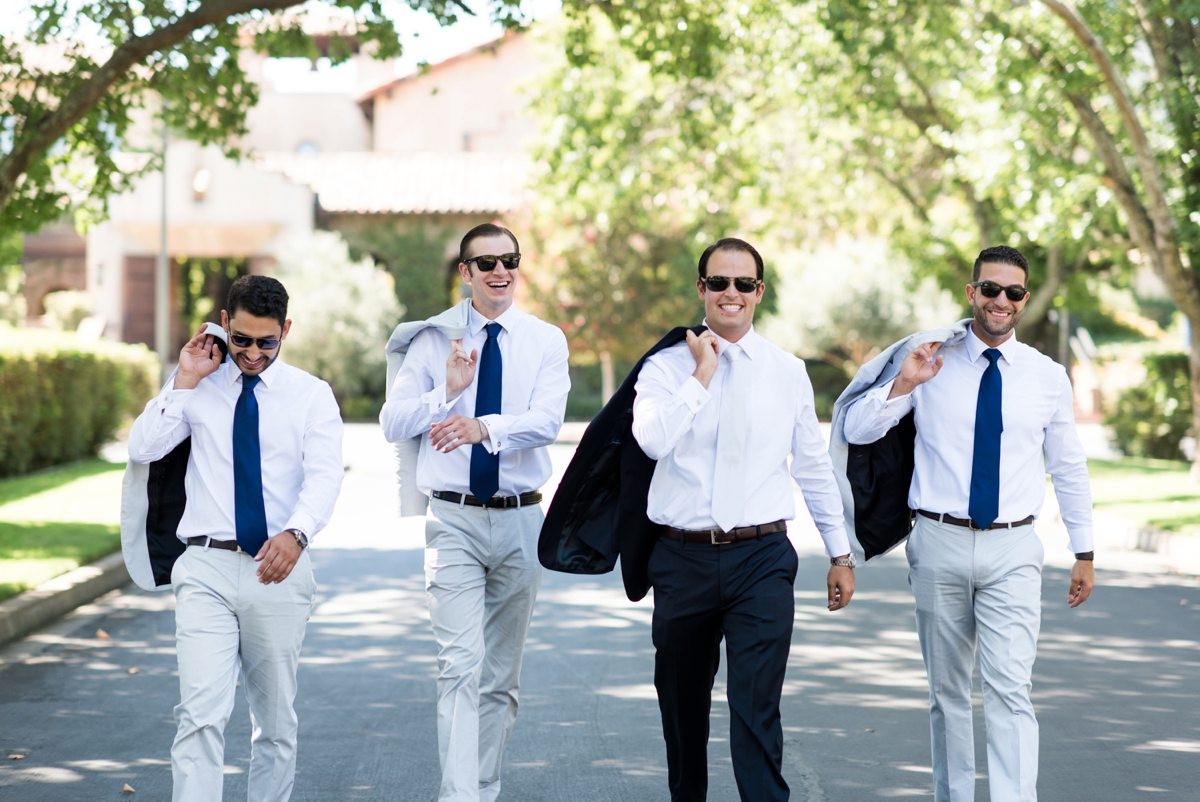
x,y
599,510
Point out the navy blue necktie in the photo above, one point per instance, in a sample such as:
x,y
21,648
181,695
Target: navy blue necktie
x,y
984,506
250,515
485,466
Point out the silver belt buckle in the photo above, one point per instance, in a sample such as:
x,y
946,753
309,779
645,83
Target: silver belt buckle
x,y
714,533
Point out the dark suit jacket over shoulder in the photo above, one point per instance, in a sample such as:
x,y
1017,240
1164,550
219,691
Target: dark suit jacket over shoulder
x,y
599,509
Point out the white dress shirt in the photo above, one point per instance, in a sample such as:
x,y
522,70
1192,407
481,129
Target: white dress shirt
x,y
675,422
299,434
533,401
1039,435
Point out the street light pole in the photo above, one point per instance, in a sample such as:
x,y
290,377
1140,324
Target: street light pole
x,y
162,278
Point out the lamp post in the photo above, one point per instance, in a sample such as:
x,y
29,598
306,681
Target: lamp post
x,y
162,277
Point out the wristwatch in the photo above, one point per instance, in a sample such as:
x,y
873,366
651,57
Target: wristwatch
x,y
301,538
1090,556
844,562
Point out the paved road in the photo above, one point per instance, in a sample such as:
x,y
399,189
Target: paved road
x,y
1116,686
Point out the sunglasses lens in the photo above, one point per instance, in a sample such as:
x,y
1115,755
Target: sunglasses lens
x,y
745,284
486,263
511,261
716,283
1016,294
241,341
268,345
990,289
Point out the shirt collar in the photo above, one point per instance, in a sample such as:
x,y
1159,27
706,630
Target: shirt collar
x,y
233,372
976,346
751,344
507,319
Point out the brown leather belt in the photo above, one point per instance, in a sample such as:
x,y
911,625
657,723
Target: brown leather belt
x,y
969,524
493,503
208,542
717,538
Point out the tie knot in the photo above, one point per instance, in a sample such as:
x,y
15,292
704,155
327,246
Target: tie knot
x,y
493,330
249,382
992,355
733,353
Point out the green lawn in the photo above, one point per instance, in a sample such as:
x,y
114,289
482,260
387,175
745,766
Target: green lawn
x,y
1158,493
57,520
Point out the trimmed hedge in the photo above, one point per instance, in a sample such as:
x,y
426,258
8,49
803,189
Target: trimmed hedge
x,y
61,399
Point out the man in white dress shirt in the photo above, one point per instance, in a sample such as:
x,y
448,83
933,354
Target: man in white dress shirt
x,y
993,416
722,414
501,392
264,472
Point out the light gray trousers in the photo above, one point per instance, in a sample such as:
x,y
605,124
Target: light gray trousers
x,y
979,588
225,619
481,579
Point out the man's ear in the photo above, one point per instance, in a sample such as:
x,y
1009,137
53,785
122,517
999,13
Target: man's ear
x,y
700,288
224,320
287,326
464,271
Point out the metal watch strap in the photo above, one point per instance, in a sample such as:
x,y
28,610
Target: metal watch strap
x,y
301,538
844,562
1086,555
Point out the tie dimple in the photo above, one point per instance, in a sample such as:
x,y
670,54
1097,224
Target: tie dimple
x,y
729,480
250,515
984,506
485,466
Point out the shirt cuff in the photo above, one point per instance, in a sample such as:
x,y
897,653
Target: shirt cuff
x,y
497,433
836,542
1081,540
175,401
693,395
892,407
302,521
436,401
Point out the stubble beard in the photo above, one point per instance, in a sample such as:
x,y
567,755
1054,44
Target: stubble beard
x,y
992,329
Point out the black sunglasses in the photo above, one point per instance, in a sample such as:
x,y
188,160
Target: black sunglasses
x,y
264,343
741,283
990,289
487,264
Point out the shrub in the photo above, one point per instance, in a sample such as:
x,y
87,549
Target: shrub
x,y
1151,418
61,399
342,314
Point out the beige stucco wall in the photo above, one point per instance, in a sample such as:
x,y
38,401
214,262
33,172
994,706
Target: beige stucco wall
x,y
469,103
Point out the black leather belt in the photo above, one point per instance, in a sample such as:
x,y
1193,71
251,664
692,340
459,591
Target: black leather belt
x,y
208,542
493,503
718,538
969,524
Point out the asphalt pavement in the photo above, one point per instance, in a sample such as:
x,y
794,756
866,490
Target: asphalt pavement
x,y
86,703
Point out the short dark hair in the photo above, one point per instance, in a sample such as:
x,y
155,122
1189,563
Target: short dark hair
x,y
730,244
261,296
1000,254
485,230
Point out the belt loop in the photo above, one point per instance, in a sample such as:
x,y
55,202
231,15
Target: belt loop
x,y
207,542
758,531
462,500
518,501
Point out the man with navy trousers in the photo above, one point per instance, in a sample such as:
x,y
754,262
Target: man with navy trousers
x,y
502,391
263,475
993,417
723,414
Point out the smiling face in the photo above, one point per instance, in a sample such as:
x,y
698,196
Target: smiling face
x,y
491,291
730,313
253,360
996,317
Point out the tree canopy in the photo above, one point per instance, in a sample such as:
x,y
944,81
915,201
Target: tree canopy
x,y
71,91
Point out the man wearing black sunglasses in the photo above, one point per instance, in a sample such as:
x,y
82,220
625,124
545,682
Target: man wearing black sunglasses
x,y
730,420
992,417
484,386
264,471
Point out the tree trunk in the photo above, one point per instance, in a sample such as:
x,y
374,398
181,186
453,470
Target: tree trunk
x,y
1194,375
606,377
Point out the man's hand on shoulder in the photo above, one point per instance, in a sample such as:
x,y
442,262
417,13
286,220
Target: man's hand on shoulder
x,y
277,557
460,369
1083,579
918,367
840,582
200,357
704,351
